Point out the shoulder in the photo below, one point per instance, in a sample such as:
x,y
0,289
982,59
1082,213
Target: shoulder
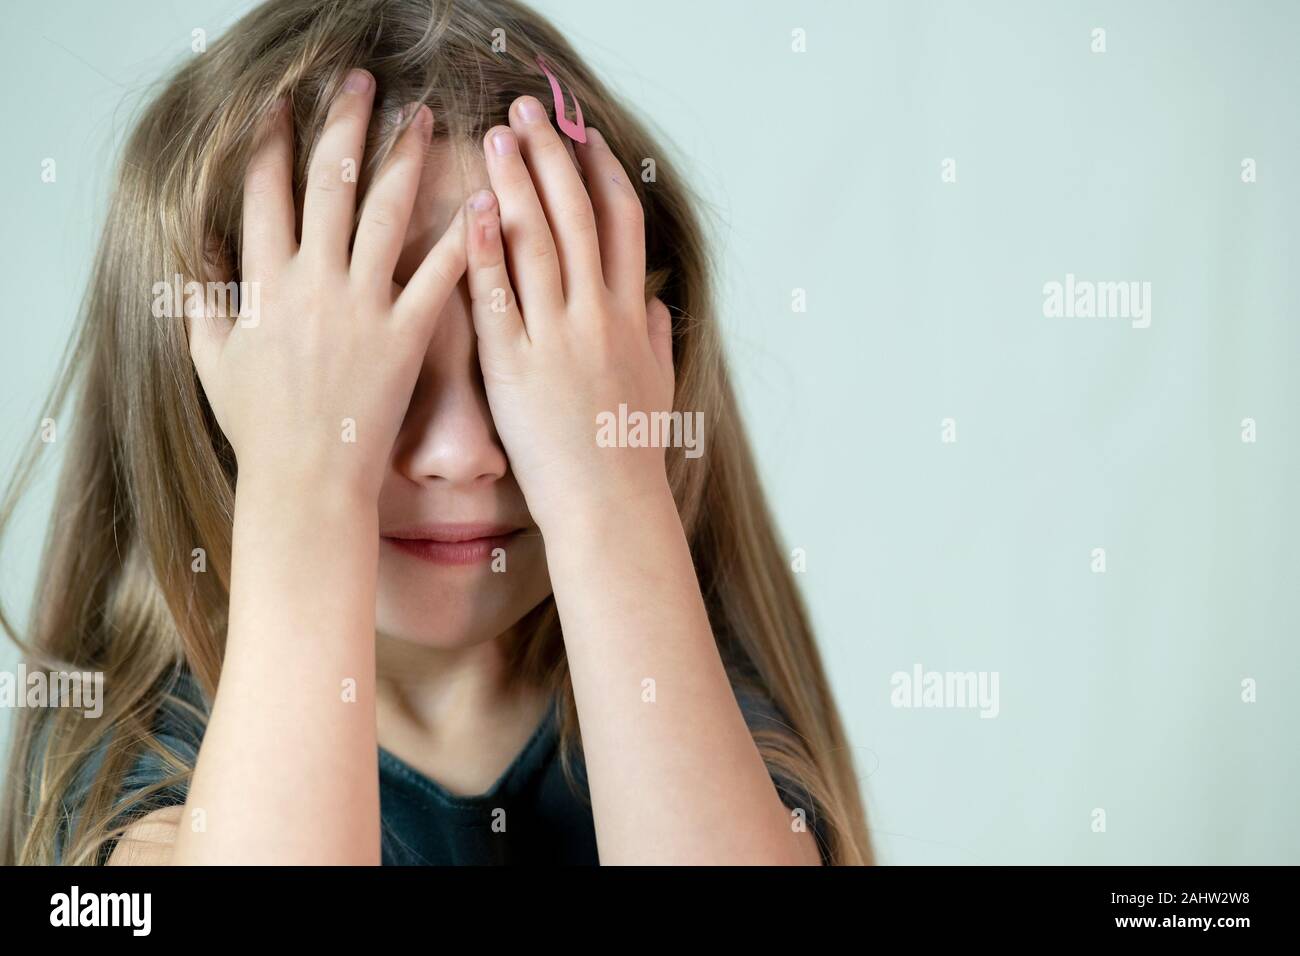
x,y
776,738
150,792
768,723
176,731
148,841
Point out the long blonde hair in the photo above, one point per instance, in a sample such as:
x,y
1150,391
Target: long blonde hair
x,y
138,492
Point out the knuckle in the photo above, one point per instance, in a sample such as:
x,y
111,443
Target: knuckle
x,y
538,250
516,178
405,161
348,111
435,274
487,263
260,178
381,217
580,215
628,208
327,179
548,146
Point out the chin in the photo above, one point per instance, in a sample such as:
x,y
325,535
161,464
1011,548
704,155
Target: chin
x,y
455,607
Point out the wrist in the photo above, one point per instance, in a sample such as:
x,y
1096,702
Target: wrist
x,y
321,496
625,509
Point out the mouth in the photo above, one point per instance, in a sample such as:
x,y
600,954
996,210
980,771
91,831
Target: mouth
x,y
453,544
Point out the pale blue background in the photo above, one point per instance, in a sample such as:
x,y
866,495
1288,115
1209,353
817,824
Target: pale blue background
x,y
1119,691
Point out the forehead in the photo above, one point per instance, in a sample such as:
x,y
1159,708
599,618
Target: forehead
x,y
452,170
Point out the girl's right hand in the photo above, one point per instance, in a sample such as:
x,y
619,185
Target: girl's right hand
x,y
313,386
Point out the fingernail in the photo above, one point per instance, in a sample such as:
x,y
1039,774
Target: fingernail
x,y
503,141
358,82
423,117
530,111
482,200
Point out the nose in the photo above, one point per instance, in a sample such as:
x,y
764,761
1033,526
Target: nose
x,y
448,435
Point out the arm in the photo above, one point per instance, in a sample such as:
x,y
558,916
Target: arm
x,y
310,391
288,768
679,779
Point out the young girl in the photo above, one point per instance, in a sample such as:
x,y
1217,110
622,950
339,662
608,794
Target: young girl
x,y
363,584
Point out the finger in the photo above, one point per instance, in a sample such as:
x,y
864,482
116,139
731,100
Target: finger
x,y
620,219
269,217
530,249
562,193
330,202
207,333
386,212
659,326
426,294
496,314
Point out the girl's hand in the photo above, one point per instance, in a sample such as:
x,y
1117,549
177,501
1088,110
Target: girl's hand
x,y
572,336
312,387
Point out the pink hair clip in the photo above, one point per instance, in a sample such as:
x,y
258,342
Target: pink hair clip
x,y
574,128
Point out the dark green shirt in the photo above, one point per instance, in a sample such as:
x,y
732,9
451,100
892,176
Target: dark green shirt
x,y
532,814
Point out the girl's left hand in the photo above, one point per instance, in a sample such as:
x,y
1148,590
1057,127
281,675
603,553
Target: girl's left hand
x,y
572,336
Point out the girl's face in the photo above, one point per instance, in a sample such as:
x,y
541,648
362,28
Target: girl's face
x,y
460,560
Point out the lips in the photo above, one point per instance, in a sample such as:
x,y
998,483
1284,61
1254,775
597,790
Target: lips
x,y
452,544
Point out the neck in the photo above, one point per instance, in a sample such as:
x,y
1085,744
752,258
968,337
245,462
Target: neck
x,y
438,691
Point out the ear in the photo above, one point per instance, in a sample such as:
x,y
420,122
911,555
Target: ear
x,y
659,325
